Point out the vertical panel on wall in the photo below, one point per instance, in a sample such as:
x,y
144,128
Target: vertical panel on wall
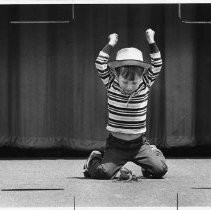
x,y
203,87
32,83
156,109
4,74
180,67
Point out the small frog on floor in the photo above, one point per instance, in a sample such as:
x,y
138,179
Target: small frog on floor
x,y
126,176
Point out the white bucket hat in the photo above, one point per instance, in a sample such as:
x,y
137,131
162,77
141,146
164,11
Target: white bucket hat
x,y
129,57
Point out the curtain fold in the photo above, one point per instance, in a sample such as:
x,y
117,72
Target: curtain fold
x,y
180,68
51,95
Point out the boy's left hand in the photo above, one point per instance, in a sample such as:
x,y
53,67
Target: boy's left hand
x,y
150,34
113,39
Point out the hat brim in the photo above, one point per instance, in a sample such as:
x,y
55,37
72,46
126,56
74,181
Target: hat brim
x,y
118,63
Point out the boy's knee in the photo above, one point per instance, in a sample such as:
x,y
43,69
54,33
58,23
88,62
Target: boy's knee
x,y
159,172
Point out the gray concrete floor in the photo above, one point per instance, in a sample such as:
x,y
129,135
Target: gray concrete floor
x,y
190,178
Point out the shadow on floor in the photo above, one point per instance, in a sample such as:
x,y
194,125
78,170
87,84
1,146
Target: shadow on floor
x,y
56,153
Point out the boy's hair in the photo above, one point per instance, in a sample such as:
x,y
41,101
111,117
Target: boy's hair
x,y
129,72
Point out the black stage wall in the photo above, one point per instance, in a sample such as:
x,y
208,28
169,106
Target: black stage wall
x,y
51,96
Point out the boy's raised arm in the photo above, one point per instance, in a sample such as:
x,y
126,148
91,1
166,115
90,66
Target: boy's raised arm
x,y
156,60
102,60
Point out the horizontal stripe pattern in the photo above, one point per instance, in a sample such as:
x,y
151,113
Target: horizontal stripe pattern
x,y
125,130
127,114
101,65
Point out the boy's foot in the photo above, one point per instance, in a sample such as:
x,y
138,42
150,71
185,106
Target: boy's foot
x,y
94,155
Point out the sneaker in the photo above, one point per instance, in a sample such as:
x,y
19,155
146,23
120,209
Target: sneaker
x,y
93,155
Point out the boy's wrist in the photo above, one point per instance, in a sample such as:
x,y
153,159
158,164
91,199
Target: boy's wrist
x,y
153,48
107,49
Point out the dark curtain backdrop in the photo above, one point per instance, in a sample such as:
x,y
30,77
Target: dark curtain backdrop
x,y
51,96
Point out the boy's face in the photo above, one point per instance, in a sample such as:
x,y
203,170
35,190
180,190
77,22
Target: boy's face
x,y
129,86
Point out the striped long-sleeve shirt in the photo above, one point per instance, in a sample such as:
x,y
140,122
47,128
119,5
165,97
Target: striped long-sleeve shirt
x,y
127,113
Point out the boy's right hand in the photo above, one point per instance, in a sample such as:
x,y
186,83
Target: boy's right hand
x,y
113,39
150,34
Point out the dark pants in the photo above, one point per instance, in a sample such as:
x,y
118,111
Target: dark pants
x,y
118,152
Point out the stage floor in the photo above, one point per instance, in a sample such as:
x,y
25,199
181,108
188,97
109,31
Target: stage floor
x,y
60,183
